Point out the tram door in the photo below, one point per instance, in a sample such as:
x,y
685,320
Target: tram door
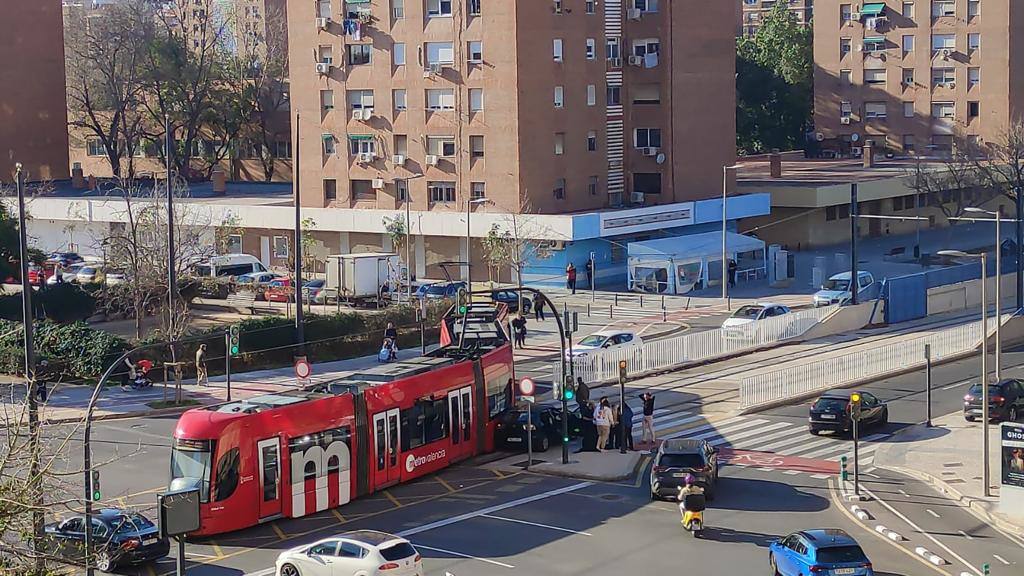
x,y
386,438
269,452
460,412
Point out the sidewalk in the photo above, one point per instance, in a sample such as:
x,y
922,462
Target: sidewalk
x,y
948,457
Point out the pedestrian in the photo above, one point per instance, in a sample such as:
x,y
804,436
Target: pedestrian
x,y
732,273
538,309
202,374
58,273
582,390
603,421
519,331
589,269
589,443
570,277
648,426
627,423
41,392
613,440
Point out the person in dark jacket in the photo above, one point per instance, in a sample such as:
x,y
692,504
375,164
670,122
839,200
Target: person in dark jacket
x,y
589,441
648,426
626,420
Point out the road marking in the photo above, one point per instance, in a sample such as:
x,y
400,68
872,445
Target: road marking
x,y
748,433
216,549
813,446
965,535
198,555
820,476
444,483
1001,559
277,530
774,446
701,428
901,491
754,443
498,473
549,527
492,509
954,385
716,429
454,553
391,497
932,512
337,515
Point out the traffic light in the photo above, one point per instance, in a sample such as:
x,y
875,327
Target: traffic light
x,y
986,569
622,371
568,389
233,337
855,402
94,485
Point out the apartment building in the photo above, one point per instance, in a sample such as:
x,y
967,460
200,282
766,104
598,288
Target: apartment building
x,y
33,106
752,12
556,107
910,76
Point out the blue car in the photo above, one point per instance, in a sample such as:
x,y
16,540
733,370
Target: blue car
x,y
829,552
440,290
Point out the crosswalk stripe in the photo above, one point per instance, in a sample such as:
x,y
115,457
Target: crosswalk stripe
x,y
874,437
703,427
680,422
638,415
754,442
820,476
826,450
791,440
811,446
731,438
723,430
791,472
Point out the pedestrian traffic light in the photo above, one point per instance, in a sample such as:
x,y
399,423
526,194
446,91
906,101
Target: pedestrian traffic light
x,y
855,402
233,337
986,569
622,371
568,389
94,485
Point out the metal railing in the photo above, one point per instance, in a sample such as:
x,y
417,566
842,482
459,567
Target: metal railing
x,y
603,366
788,383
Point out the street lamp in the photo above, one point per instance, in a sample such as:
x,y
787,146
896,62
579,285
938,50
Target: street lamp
x,y
999,278
984,354
725,212
408,234
469,243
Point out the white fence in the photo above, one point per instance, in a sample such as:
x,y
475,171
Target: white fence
x,y
787,383
603,365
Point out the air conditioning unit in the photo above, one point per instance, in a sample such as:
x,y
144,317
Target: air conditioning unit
x,y
856,151
845,120
615,62
436,68
428,73
951,85
432,159
323,68
378,183
855,16
556,244
321,23
398,160
366,157
633,13
649,151
945,53
357,114
636,197
860,48
636,60
367,113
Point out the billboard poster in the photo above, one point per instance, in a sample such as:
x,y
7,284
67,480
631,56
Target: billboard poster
x,y
1012,452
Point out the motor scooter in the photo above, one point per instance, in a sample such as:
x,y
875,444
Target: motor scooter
x,y
692,506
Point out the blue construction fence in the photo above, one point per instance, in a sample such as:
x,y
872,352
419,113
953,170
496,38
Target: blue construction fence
x,y
906,297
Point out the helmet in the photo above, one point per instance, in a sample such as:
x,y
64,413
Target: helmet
x,y
689,479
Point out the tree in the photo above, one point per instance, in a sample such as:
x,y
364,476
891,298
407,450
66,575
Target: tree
x,y
952,184
515,243
1002,168
774,83
394,227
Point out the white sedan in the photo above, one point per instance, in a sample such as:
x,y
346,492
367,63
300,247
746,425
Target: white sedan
x,y
357,553
605,340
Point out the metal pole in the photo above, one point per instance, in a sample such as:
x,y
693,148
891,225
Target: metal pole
x,y
856,454
854,281
408,244
1019,227
593,278
928,384
566,381
984,373
725,259
171,280
999,300
529,436
300,336
227,363
622,425
469,254
180,563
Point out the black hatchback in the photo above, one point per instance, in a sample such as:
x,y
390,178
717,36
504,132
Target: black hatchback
x,y
510,432
678,458
1005,400
831,412
120,537
510,298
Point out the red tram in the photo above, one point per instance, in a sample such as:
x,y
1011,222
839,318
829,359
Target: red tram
x,y
297,453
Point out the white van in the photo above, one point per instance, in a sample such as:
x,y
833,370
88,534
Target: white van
x,y
837,289
228,265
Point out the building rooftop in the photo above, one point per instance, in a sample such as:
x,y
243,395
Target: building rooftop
x,y
245,193
812,172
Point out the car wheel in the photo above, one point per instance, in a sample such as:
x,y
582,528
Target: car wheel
x,y
289,570
969,418
883,420
545,443
814,431
775,568
654,496
103,561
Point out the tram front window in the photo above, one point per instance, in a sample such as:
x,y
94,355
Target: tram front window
x,y
190,466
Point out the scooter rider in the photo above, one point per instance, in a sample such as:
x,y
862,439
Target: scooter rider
x,y
689,487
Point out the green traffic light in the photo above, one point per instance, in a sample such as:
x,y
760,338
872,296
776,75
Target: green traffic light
x,y
565,439
234,350
96,496
462,309
569,395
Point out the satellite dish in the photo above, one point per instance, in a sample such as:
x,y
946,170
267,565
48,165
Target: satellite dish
x,y
855,137
660,159
819,137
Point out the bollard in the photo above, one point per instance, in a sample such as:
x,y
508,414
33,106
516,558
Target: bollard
x,y
616,298
664,315
641,300
588,309
663,301
611,314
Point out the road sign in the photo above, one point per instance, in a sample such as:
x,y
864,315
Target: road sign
x,y
527,387
528,399
302,368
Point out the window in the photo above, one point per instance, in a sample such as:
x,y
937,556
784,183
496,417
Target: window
x,y
557,8
327,100
589,7
556,49
227,466
943,76
559,143
908,109
282,149
647,138
476,146
359,54
95,147
647,183
361,144
478,190
473,7
614,94
476,52
973,77
325,549
943,8
845,110
400,99
326,54
646,46
441,146
439,192
559,190
611,47
973,8
973,109
943,110
398,9
646,94
351,550
908,77
943,42
646,5
439,8
874,110
591,95
908,142
280,246
973,41
476,99
591,141
845,77
324,8
358,99
844,47
401,144
402,189
398,54
908,10
908,43
591,49
441,99
328,143
330,189
874,76
845,10
440,53
592,185
559,96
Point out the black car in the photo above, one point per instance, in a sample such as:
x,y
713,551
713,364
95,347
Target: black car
x,y
120,537
679,457
510,431
510,298
831,412
1005,400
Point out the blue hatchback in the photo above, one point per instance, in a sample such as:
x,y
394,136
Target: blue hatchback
x,y
830,552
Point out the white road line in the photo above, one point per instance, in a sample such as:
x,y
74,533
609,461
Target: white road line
x,y
732,438
753,443
264,572
492,509
954,385
791,472
666,425
874,437
965,535
823,476
812,446
549,527
901,491
775,446
454,553
932,512
1001,559
700,428
723,430
822,452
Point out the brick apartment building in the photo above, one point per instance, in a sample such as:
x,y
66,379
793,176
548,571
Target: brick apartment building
x,y
33,108
752,13
910,75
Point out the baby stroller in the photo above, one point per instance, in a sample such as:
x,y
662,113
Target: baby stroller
x,y
138,376
388,351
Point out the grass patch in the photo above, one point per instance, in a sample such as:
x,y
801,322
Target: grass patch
x,y
172,404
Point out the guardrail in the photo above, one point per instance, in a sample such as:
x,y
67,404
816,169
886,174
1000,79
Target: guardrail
x,y
787,383
669,353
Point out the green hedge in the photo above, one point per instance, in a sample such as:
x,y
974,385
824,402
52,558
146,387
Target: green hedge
x,y
62,303
70,351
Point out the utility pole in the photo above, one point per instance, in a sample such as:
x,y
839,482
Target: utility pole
x,y
300,336
854,281
408,245
984,375
1020,238
171,280
999,296
928,383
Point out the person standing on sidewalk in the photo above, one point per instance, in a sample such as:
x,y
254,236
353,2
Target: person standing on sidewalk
x,y
589,269
603,421
648,426
570,277
538,309
626,421
202,374
732,273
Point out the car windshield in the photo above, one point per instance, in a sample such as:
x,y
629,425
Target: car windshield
x,y
976,389
593,340
833,404
134,523
437,289
837,285
87,270
681,461
315,284
202,270
398,551
840,555
749,311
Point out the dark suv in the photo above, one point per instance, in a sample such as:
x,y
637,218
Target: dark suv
x,y
681,456
1005,400
831,412
510,432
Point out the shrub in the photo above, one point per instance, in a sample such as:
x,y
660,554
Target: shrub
x,y
70,350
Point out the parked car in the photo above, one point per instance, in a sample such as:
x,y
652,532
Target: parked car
x,y
121,538
279,290
64,258
510,432
1005,400
68,275
38,275
837,289
116,277
256,281
362,552
313,290
440,290
605,340
830,551
219,271
510,298
678,457
831,412
90,274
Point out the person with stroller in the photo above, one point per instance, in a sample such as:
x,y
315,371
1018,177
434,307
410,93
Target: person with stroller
x,y
389,349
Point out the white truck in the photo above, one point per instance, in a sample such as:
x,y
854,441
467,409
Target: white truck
x,y
358,278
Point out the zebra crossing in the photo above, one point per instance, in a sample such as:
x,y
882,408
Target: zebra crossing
x,y
754,434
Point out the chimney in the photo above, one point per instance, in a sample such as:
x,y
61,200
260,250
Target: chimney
x,y
868,154
775,164
220,186
77,176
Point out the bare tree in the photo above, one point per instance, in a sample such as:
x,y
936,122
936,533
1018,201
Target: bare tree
x,y
515,243
951,183
1003,167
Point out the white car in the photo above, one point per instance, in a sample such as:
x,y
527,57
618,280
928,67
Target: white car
x,y
837,289
742,320
605,340
68,275
357,553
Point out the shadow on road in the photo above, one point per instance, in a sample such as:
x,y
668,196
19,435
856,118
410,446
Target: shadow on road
x,y
747,494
